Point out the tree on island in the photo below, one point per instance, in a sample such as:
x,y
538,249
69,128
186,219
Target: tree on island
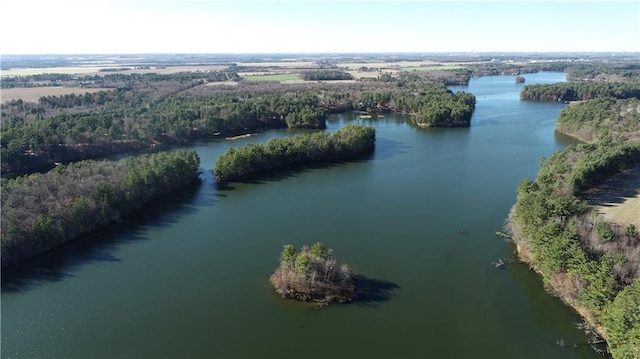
x,y
520,80
313,274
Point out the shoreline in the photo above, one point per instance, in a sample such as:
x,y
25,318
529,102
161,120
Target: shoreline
x,y
585,313
616,200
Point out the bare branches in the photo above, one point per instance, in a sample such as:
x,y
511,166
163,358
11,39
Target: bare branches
x,y
313,274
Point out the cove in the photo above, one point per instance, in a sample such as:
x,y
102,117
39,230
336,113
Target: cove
x,y
188,275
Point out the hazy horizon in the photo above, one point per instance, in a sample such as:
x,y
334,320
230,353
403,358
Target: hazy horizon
x,y
382,53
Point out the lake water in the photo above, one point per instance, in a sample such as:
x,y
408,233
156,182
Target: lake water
x,y
188,275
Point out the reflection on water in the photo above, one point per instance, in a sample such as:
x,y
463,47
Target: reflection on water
x,y
188,275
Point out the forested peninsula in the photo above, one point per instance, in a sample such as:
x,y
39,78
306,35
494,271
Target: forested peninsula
x,y
142,110
578,91
589,120
348,142
124,113
590,263
43,211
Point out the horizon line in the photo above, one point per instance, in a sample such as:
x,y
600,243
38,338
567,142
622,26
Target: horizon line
x,y
327,53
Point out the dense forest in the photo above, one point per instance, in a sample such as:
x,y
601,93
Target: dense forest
x,y
616,71
591,120
576,91
42,211
349,141
149,110
115,80
121,120
515,68
326,75
627,70
592,264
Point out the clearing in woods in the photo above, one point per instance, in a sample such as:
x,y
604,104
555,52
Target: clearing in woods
x,y
33,94
618,198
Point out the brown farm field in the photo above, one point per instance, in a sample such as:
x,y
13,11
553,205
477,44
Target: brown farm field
x,y
96,70
32,94
282,64
376,69
75,70
386,65
258,68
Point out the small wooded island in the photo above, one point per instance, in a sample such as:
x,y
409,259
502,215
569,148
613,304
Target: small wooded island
x,y
313,274
349,141
519,80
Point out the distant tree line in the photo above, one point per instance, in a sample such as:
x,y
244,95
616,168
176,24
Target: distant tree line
x,y
575,91
453,77
43,211
592,120
326,75
148,109
38,134
115,80
38,80
349,141
599,70
616,71
429,104
490,68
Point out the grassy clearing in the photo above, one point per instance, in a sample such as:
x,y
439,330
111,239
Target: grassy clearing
x,y
276,77
618,198
32,94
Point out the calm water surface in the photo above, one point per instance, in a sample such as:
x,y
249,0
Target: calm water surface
x,y
188,276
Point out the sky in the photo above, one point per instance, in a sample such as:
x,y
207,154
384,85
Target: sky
x,y
314,26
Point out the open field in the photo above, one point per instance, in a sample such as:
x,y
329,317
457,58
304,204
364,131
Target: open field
x,y
77,70
284,64
269,68
272,77
95,70
430,68
172,69
375,69
221,83
363,74
386,65
618,199
32,94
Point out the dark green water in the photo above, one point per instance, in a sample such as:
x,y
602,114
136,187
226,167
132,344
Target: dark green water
x,y
188,277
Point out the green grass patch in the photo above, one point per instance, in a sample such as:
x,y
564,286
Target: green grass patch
x,y
277,77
